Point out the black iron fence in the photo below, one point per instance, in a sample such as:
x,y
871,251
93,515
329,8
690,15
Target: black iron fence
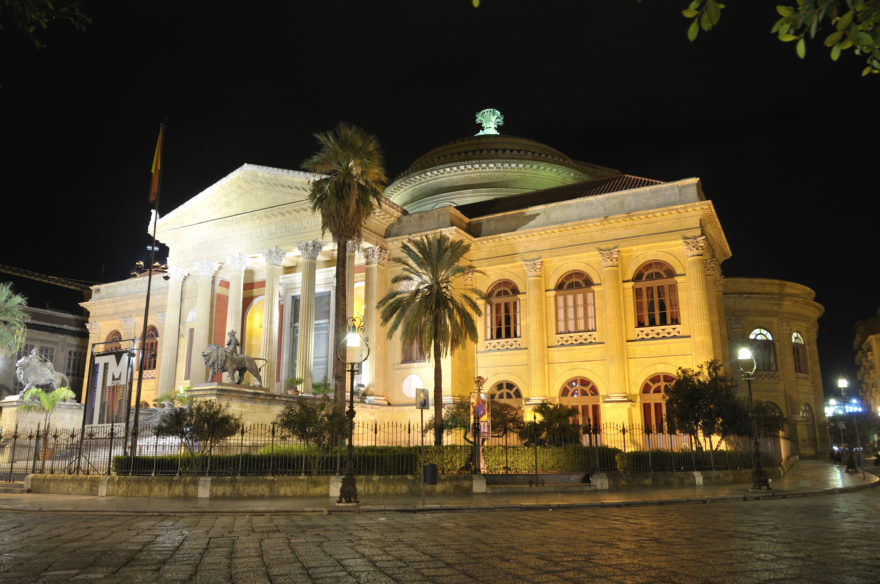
x,y
380,448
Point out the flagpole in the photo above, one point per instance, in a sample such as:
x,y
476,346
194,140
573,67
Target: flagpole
x,y
155,187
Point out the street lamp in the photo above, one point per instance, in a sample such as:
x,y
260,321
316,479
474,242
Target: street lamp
x,y
746,363
842,385
354,339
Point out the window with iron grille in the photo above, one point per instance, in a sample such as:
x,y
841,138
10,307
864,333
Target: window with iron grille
x,y
653,399
763,349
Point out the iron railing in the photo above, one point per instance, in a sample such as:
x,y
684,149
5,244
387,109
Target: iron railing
x,y
387,448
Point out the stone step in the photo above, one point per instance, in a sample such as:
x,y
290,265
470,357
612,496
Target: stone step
x,y
16,488
510,489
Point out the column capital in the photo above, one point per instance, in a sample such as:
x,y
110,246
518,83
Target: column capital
x,y
694,246
310,249
176,274
375,255
534,268
206,268
236,262
353,245
274,256
610,258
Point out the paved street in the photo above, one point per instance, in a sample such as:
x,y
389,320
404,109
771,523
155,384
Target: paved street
x,y
824,538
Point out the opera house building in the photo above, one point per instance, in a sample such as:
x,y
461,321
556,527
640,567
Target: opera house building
x,y
599,285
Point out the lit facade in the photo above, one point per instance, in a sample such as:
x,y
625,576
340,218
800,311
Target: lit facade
x,y
601,285
867,347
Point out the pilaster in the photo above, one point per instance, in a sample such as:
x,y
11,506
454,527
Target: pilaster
x,y
170,339
537,339
701,324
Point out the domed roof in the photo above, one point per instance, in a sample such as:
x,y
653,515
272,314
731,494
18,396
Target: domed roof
x,y
486,166
495,147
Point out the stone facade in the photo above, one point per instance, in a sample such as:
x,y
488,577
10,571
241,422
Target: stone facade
x,y
604,284
867,347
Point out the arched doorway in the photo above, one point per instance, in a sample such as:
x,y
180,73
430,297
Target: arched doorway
x,y
253,333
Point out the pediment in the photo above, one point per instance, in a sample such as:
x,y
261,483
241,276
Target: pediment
x,y
248,189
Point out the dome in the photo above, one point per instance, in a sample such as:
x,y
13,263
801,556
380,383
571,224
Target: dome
x,y
484,167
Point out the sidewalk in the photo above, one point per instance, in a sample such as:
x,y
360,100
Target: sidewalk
x,y
806,477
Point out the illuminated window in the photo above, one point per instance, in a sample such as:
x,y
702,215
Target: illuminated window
x,y
656,295
653,400
113,342
763,349
575,309
151,348
799,351
506,390
502,317
581,394
413,352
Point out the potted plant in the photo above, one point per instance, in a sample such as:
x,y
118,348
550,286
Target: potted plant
x,y
293,384
321,388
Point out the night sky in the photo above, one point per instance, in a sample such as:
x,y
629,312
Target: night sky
x,y
786,149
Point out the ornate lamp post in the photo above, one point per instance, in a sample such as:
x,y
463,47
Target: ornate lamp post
x,y
746,363
353,340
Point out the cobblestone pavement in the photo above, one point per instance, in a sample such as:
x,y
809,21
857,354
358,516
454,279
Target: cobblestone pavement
x,y
826,538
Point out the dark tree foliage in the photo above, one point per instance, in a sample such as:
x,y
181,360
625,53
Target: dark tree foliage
x,y
317,424
199,425
555,428
30,18
703,403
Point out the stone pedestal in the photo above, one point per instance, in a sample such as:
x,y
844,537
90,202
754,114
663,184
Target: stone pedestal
x,y
65,416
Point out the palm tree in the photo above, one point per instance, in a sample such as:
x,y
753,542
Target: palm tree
x,y
12,320
433,312
351,187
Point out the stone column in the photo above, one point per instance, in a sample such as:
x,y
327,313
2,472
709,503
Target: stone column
x,y
305,344
351,250
170,339
614,324
537,338
205,271
716,305
701,323
269,341
791,409
373,258
236,265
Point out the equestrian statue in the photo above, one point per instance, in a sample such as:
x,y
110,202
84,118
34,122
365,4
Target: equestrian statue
x,y
227,359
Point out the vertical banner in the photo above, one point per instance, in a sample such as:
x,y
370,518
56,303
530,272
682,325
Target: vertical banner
x,y
110,387
480,413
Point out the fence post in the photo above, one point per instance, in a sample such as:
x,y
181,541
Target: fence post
x,y
36,450
110,450
12,456
623,431
272,451
241,449
155,452
648,444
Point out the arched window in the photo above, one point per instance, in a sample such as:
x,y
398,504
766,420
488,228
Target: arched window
x,y
581,394
763,349
502,317
151,348
656,295
575,308
506,390
113,342
653,400
799,351
807,412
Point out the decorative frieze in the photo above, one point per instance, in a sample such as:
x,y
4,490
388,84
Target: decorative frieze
x,y
610,258
582,338
503,344
766,376
658,332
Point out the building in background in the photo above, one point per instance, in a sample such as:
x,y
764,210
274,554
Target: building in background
x,y
60,338
866,344
600,284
